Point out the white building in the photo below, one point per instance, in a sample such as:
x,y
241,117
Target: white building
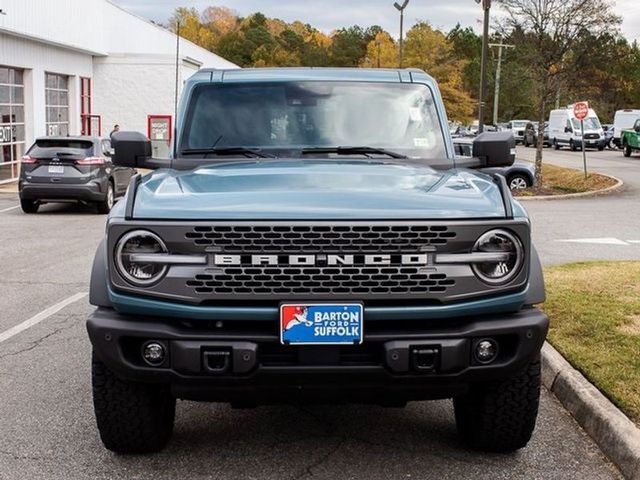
x,y
79,67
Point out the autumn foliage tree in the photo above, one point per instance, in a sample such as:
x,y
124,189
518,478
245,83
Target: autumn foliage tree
x,y
430,50
553,38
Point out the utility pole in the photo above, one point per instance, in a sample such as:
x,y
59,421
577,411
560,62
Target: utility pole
x,y
496,96
486,6
401,8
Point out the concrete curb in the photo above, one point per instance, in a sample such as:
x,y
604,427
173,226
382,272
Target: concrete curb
x,y
616,435
605,191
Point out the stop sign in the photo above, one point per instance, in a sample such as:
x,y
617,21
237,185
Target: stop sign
x,y
581,110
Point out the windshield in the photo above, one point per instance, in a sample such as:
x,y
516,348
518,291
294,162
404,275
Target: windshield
x,y
286,118
519,124
591,123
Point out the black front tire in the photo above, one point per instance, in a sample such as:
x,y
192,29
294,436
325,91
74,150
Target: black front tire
x,y
29,206
501,416
132,417
556,146
627,151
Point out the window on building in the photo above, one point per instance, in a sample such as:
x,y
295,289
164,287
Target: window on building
x,y
57,103
11,122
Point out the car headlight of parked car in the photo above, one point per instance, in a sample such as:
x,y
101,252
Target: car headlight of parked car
x,y
134,257
505,257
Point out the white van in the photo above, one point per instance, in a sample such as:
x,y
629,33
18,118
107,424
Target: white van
x,y
564,130
623,120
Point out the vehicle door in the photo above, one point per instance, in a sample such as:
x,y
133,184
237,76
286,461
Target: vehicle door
x,y
117,173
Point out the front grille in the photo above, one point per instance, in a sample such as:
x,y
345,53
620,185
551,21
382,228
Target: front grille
x,y
321,280
353,277
325,238
591,136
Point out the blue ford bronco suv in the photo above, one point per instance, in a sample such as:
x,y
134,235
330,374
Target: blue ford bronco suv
x,y
314,239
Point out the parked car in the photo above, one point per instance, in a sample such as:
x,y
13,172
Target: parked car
x,y
519,175
531,135
608,130
631,139
517,127
565,130
270,262
71,169
623,120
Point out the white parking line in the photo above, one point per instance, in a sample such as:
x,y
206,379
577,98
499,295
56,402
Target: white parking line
x,y
52,310
596,241
10,208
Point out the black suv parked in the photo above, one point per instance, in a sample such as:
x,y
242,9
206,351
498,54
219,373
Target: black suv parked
x,y
71,169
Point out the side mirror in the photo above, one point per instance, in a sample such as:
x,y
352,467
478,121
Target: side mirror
x,y
637,128
568,130
133,150
495,149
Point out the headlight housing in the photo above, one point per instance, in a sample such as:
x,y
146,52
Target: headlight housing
x,y
499,272
140,242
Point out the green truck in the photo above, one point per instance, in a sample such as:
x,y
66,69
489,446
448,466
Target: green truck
x,y
631,139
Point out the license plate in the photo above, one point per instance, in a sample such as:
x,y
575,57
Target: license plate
x,y
321,324
56,169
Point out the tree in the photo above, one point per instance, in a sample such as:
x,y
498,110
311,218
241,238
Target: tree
x,y
430,50
190,27
382,52
549,32
220,20
348,47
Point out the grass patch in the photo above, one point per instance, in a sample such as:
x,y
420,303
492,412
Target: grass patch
x,y
595,323
560,180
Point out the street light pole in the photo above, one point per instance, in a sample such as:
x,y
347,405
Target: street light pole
x,y
401,9
496,96
486,6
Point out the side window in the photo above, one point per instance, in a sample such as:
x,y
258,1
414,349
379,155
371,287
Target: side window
x,y
106,148
569,125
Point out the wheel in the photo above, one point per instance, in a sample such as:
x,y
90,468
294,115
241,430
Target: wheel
x,y
518,181
572,145
500,416
29,206
600,148
555,144
132,417
627,150
106,205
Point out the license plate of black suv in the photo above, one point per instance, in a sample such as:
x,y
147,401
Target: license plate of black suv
x,y
321,323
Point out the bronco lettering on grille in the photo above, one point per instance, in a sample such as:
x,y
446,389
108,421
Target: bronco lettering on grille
x,y
320,260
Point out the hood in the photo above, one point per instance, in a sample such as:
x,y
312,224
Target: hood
x,y
326,189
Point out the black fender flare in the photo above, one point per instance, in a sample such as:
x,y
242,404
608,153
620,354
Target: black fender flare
x,y
98,290
536,293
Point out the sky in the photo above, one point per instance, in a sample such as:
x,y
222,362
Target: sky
x,y
330,14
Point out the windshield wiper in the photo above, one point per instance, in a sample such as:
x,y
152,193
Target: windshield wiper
x,y
246,151
353,151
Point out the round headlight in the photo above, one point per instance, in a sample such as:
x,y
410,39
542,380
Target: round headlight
x,y
509,251
137,272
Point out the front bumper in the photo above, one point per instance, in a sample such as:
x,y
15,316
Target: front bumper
x,y
257,369
93,191
591,143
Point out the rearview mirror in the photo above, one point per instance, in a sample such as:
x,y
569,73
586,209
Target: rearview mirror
x,y
495,149
133,150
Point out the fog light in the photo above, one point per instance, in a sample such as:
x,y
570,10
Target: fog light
x,y
486,351
153,353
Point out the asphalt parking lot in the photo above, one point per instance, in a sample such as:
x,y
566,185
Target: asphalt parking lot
x,y
47,427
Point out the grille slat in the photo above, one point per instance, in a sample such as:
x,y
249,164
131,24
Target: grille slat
x,y
321,238
316,279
